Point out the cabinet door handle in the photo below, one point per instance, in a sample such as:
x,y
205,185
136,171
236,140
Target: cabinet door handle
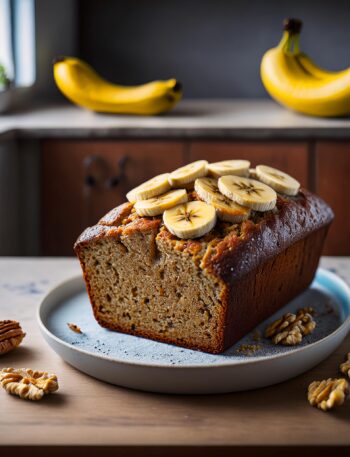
x,y
114,180
89,181
95,170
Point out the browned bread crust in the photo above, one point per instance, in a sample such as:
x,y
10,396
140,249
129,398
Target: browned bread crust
x,y
256,266
117,215
295,219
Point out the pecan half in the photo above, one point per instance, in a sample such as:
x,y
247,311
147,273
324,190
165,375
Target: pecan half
x,y
11,336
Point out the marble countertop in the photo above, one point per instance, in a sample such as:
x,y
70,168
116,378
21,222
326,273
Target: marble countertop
x,y
253,119
86,412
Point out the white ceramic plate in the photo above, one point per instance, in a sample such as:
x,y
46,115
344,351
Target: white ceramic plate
x,y
138,363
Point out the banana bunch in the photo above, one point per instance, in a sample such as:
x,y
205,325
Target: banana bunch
x,y
83,86
295,81
229,194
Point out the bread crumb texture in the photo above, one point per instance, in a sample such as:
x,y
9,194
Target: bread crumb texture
x,y
74,327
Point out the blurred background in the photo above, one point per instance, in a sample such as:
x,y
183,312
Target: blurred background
x,y
62,168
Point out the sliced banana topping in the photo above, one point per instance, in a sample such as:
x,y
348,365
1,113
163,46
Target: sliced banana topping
x,y
230,211
229,167
227,210
253,174
278,180
232,191
190,220
248,192
207,189
151,188
188,173
157,205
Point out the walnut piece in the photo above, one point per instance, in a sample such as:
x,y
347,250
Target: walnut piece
x,y
345,367
306,322
28,384
328,393
74,328
248,349
11,336
307,310
290,328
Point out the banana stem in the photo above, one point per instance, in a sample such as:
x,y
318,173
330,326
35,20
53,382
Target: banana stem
x,y
290,43
296,47
284,43
291,36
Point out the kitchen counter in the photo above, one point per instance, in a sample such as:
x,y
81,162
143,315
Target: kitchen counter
x,y
86,412
253,119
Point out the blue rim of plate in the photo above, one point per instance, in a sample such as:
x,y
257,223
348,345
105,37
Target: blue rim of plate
x,y
330,281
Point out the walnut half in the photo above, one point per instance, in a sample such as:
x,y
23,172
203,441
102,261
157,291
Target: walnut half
x,y
345,367
28,384
290,328
328,393
11,336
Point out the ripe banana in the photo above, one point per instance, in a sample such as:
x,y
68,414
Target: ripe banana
x,y
311,67
151,188
82,85
229,167
296,82
278,180
190,220
157,205
248,192
252,174
187,174
227,210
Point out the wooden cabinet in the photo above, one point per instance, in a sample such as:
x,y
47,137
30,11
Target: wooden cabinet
x,y
287,156
332,178
82,180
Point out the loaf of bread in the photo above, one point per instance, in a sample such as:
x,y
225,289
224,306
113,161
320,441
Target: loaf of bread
x,y
203,293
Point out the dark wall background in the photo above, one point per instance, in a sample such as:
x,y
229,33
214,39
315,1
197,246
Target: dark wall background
x,y
213,46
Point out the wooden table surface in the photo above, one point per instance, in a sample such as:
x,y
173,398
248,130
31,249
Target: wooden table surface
x,y
86,412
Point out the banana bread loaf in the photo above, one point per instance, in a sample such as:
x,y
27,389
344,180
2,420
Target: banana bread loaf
x,y
207,292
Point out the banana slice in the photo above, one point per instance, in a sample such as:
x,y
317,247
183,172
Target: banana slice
x,y
157,205
151,188
253,174
190,220
227,210
207,189
229,167
188,173
248,192
278,180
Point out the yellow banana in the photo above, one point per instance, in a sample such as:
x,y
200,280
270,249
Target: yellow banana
x,y
311,67
296,82
82,85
